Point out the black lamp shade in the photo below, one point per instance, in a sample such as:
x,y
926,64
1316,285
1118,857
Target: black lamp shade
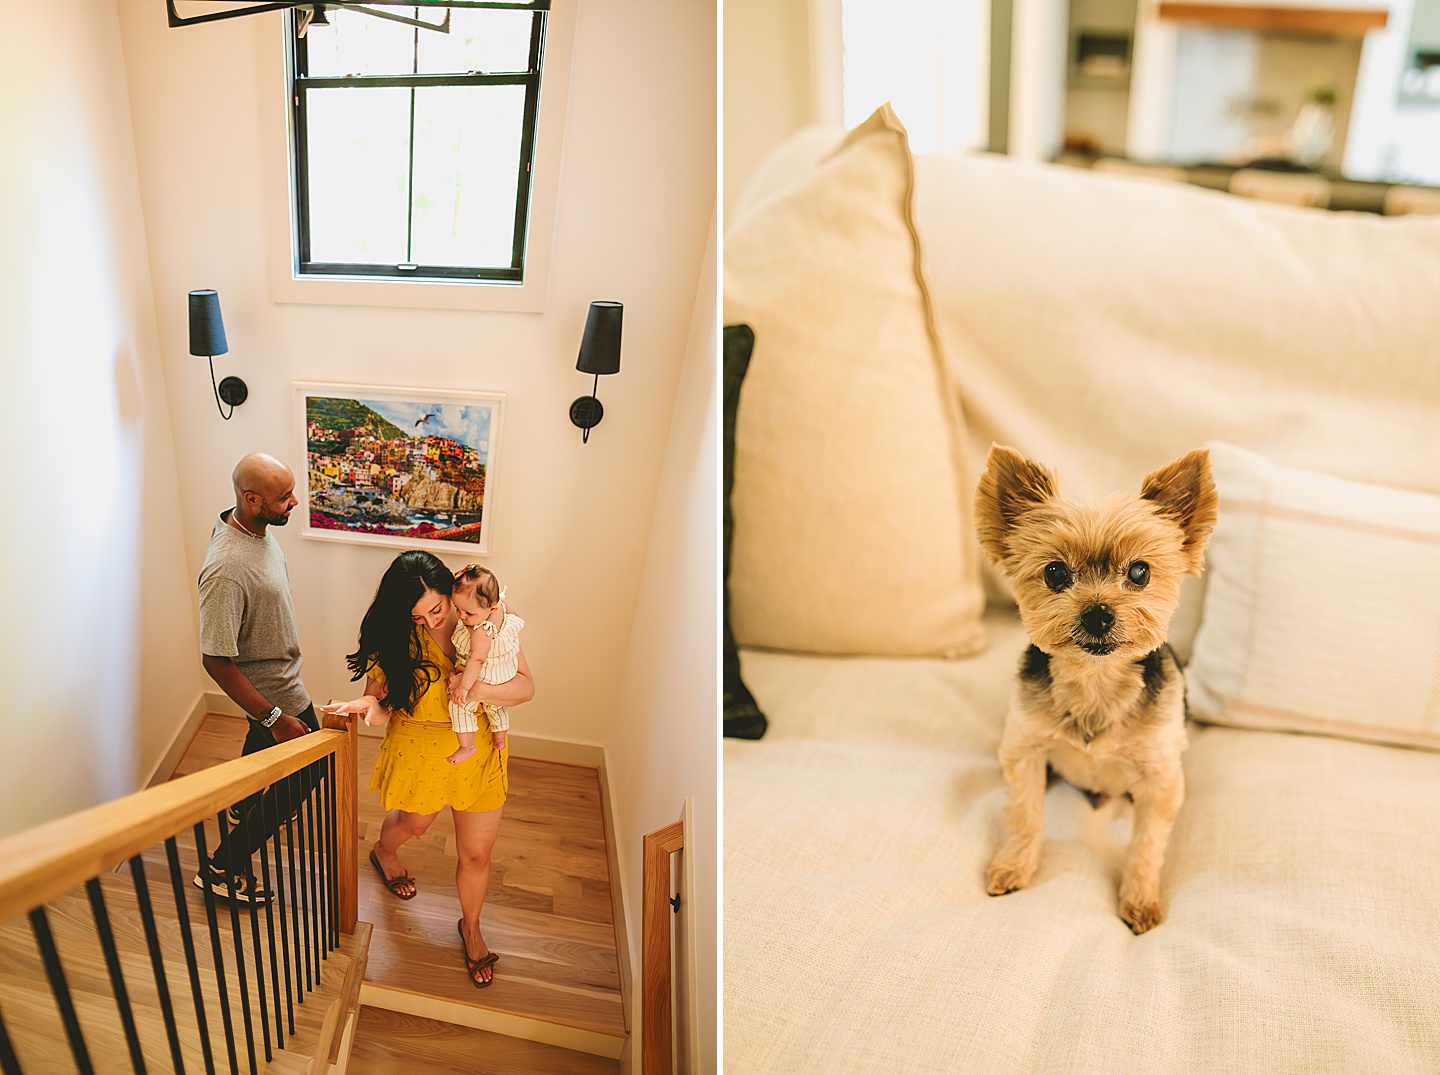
x,y
600,346
207,330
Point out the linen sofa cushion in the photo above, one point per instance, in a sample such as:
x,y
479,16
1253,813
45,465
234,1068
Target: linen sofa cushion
x,y
1298,887
1322,609
851,500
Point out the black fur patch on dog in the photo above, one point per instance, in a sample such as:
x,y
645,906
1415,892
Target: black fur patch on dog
x,y
1035,670
1156,668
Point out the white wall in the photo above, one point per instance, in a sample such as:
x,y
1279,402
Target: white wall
x,y
793,63
97,642
664,744
571,521
1386,141
1037,91
769,92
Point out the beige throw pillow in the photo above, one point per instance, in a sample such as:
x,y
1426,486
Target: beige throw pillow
x,y
1322,607
851,497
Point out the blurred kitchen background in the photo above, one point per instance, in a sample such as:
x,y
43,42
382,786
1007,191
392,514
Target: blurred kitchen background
x,y
1320,102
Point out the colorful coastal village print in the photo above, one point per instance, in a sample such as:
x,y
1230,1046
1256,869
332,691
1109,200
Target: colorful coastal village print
x,y
397,469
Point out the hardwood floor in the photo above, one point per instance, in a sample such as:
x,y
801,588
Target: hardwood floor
x,y
548,911
387,1042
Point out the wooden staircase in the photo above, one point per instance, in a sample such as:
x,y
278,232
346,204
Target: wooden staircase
x,y
33,1017
79,939
393,993
557,1003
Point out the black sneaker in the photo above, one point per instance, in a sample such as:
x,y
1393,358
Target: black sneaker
x,y
247,889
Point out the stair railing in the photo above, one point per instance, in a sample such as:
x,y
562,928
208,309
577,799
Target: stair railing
x,y
287,813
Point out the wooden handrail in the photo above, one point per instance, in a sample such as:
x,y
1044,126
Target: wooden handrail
x,y
41,863
655,1014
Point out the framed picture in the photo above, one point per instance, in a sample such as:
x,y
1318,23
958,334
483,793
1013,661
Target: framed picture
x,y
413,468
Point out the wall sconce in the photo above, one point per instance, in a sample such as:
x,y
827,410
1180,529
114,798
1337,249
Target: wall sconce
x,y
599,353
207,337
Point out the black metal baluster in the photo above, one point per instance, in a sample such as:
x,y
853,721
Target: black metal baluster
x,y
300,882
239,949
41,927
187,940
297,890
280,900
215,948
334,804
117,978
244,836
8,1063
314,878
152,942
270,917
322,846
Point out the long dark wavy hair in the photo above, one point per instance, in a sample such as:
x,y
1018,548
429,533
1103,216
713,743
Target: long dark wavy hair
x,y
388,635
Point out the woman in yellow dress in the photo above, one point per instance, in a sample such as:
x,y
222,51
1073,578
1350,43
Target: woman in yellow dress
x,y
408,658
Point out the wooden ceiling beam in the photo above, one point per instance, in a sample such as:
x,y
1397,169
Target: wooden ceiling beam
x,y
1277,19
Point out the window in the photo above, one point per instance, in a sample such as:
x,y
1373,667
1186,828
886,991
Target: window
x,y
413,147
929,59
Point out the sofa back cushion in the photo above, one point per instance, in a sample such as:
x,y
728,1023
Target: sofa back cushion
x,y
851,499
1105,325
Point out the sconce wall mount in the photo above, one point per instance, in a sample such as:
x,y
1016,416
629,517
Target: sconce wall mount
x,y
599,353
207,337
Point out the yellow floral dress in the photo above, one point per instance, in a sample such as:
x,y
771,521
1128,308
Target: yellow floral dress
x,y
412,774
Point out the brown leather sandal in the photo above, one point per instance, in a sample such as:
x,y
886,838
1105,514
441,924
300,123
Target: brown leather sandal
x,y
474,967
394,883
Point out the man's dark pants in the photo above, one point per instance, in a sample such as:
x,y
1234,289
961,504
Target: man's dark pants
x,y
279,802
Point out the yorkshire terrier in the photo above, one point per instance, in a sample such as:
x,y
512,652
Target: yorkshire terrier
x,y
1100,699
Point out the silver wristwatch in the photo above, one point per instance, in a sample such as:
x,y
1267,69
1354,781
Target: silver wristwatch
x,y
272,718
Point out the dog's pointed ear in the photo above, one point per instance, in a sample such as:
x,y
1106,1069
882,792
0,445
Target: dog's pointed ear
x,y
1010,486
1185,492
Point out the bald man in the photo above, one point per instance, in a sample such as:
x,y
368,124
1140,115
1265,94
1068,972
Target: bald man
x,y
250,646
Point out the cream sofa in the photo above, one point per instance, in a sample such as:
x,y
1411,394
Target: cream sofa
x,y
908,312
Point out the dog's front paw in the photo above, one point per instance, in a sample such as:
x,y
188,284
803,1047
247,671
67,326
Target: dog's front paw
x,y
1140,915
1002,877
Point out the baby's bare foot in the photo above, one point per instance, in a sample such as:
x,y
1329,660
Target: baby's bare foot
x,y
463,754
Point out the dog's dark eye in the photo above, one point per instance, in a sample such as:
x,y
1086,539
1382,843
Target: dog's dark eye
x,y
1057,575
1139,573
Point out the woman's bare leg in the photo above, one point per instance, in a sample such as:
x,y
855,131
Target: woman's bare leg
x,y
399,826
475,835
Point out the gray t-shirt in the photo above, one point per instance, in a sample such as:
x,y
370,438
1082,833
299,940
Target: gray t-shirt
x,y
246,613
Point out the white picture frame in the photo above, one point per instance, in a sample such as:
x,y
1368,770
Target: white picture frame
x,y
411,468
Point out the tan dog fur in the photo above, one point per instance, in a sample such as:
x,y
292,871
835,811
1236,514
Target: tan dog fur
x,y
1106,712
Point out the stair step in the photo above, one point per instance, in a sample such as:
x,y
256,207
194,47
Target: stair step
x,y
391,1041
548,912
32,1015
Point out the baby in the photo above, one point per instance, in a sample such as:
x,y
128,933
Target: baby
x,y
487,643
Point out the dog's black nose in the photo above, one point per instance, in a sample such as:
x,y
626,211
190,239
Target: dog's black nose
x,y
1098,619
